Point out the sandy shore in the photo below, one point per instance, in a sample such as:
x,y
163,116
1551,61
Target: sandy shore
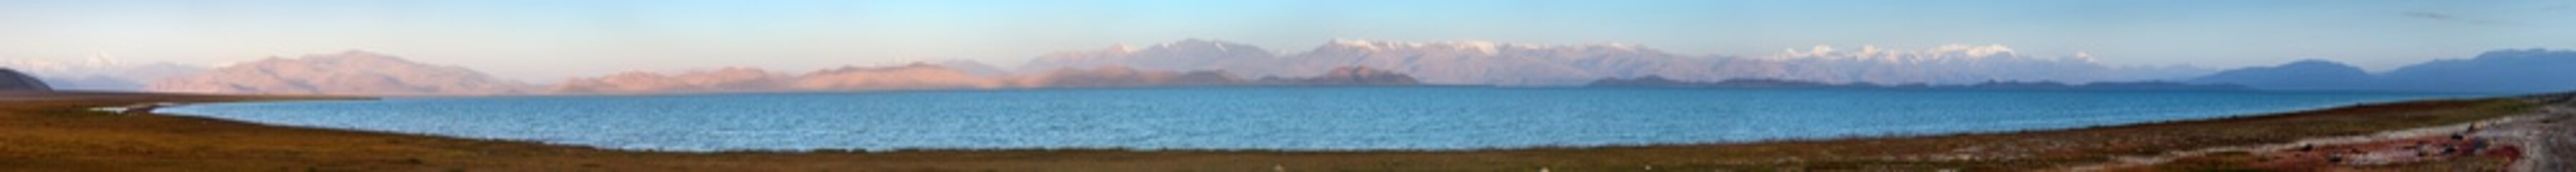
x,y
56,132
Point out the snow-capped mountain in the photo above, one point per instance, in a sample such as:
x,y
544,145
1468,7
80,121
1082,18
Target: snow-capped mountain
x,y
1958,64
1457,62
1186,55
1477,62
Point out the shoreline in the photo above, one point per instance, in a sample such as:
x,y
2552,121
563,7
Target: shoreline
x,y
1889,89
1893,134
1819,137
2019,150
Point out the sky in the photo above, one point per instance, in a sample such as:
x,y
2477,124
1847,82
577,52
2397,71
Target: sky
x,y
550,40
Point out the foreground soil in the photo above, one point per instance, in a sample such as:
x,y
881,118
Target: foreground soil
x,y
58,132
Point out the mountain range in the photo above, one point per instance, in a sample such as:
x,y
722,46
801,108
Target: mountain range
x,y
1197,62
1505,64
924,76
344,73
916,76
1660,82
98,72
368,73
2501,71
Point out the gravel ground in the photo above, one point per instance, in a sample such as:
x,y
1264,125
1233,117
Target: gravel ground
x,y
2549,136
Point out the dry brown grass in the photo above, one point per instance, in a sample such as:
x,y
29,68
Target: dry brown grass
x,y
60,136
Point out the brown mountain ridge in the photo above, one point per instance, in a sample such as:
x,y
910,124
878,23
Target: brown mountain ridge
x,y
368,73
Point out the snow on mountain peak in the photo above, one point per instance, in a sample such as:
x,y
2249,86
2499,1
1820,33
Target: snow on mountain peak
x,y
1122,48
1872,52
2083,57
1486,47
1871,49
1352,42
1818,51
1988,50
1479,46
1618,46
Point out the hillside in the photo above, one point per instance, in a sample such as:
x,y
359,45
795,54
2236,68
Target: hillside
x,y
2499,71
344,73
12,80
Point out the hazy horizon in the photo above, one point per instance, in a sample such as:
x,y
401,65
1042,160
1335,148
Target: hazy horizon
x,y
547,41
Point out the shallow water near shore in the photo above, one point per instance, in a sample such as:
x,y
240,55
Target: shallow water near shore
x,y
1395,118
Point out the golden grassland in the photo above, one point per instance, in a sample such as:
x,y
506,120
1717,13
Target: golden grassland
x,y
61,134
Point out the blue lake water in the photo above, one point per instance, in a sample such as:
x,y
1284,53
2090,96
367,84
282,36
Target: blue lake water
x,y
1262,118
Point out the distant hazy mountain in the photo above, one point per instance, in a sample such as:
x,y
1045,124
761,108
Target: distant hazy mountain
x,y
917,76
1958,64
2529,70
2532,70
1347,75
1660,82
95,83
345,73
1186,55
922,76
1439,63
98,73
1197,62
1121,76
2301,75
731,79
1488,63
975,68
1351,62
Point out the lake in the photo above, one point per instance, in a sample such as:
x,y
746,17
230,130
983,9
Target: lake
x,y
1345,118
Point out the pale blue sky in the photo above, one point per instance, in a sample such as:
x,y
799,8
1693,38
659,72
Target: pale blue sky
x,y
543,41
